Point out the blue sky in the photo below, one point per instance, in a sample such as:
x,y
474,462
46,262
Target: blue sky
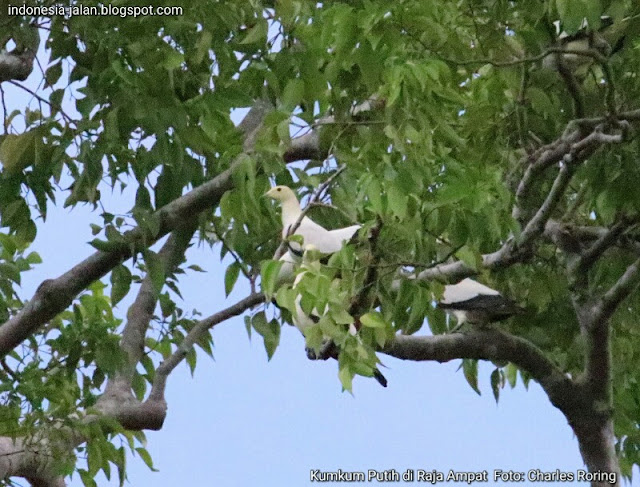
x,y
242,420
245,421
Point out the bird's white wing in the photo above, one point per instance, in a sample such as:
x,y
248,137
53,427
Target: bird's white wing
x,y
465,290
345,234
322,239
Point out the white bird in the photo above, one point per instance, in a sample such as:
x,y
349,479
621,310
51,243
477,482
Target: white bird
x,y
582,40
325,241
302,320
472,302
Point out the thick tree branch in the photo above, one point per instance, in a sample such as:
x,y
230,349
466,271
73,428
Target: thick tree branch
x,y
118,400
49,482
495,345
536,225
304,147
620,290
55,295
141,311
590,420
28,458
573,238
511,251
590,255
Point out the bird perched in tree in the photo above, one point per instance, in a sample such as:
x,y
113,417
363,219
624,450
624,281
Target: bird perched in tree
x,y
608,39
323,240
472,302
317,240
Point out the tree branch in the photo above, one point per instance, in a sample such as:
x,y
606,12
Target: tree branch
x,y
590,255
197,332
140,313
618,293
536,225
55,295
511,251
495,345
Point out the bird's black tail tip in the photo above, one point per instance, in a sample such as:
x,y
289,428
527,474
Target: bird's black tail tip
x,y
380,378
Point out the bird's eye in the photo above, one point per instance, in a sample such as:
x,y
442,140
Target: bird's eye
x,y
279,189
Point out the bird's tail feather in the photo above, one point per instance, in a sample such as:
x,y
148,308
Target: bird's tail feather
x,y
380,378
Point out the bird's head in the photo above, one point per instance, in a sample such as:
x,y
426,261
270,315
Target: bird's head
x,y
281,193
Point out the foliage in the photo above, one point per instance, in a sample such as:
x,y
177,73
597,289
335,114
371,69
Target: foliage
x,y
147,102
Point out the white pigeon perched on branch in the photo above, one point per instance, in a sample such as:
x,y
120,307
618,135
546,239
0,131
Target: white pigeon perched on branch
x,y
472,302
325,241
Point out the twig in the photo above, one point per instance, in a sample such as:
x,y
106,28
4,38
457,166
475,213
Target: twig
x,y
197,332
536,225
236,257
8,369
5,113
58,108
590,255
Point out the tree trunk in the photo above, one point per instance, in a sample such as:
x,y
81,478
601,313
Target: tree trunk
x,y
596,441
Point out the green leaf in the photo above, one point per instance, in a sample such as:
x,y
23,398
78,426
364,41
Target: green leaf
x,y
10,271
285,298
346,375
146,458
173,60
472,258
105,246
512,374
247,325
155,270
270,332
19,151
87,478
374,193
269,271
230,277
373,319
120,283
94,457
53,74
341,317
540,102
397,201
572,13
257,33
293,93
191,359
470,369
